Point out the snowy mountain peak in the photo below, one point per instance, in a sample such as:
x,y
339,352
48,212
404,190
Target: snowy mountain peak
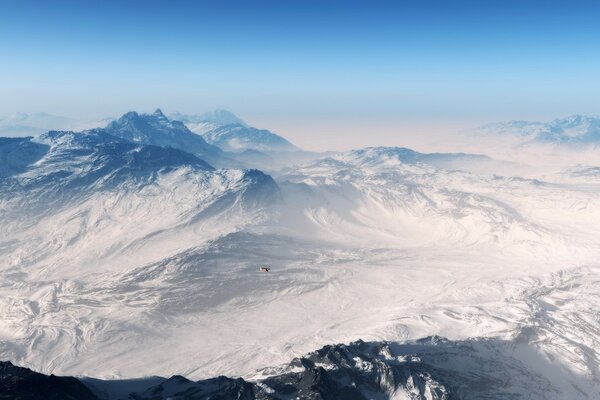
x,y
217,117
129,116
222,117
158,113
156,129
139,127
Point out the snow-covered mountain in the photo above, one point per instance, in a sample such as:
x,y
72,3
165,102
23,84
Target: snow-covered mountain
x,y
223,129
572,130
70,183
16,154
236,138
397,156
216,117
156,129
125,253
385,191
418,370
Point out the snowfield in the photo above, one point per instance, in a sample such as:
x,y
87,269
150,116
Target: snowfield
x,y
122,260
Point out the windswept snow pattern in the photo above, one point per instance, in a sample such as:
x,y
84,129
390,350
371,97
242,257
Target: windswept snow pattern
x,y
127,253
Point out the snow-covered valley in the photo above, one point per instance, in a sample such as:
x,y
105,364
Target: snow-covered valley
x,y
121,258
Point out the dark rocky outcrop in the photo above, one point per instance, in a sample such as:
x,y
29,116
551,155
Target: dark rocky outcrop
x,y
17,383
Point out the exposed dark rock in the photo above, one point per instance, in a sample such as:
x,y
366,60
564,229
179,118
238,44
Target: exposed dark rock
x,y
17,383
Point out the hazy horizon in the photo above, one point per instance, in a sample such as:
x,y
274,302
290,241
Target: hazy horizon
x,y
321,75
317,136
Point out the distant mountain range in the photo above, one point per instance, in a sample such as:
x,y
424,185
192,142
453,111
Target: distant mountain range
x,y
217,117
32,124
211,135
223,129
573,130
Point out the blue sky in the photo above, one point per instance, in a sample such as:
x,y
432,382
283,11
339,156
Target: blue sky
x,y
316,71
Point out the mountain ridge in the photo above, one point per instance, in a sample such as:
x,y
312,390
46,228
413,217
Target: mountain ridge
x,y
571,130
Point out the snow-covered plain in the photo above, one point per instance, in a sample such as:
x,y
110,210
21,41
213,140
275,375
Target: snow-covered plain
x,y
144,264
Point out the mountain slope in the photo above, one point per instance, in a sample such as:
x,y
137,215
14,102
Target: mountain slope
x,y
70,165
236,137
223,129
88,184
401,197
16,154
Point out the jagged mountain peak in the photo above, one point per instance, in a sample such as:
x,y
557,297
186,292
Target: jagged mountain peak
x,y
158,113
155,118
130,114
156,129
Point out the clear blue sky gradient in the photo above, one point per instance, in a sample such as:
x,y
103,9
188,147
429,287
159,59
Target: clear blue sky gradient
x,y
303,62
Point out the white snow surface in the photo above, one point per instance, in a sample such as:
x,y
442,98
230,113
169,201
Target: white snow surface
x,y
163,278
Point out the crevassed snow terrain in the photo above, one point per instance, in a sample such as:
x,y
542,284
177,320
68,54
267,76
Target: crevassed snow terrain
x,y
120,258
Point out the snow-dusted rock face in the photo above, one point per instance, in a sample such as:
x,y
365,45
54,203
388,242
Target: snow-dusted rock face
x,y
156,129
432,368
16,154
25,384
66,165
